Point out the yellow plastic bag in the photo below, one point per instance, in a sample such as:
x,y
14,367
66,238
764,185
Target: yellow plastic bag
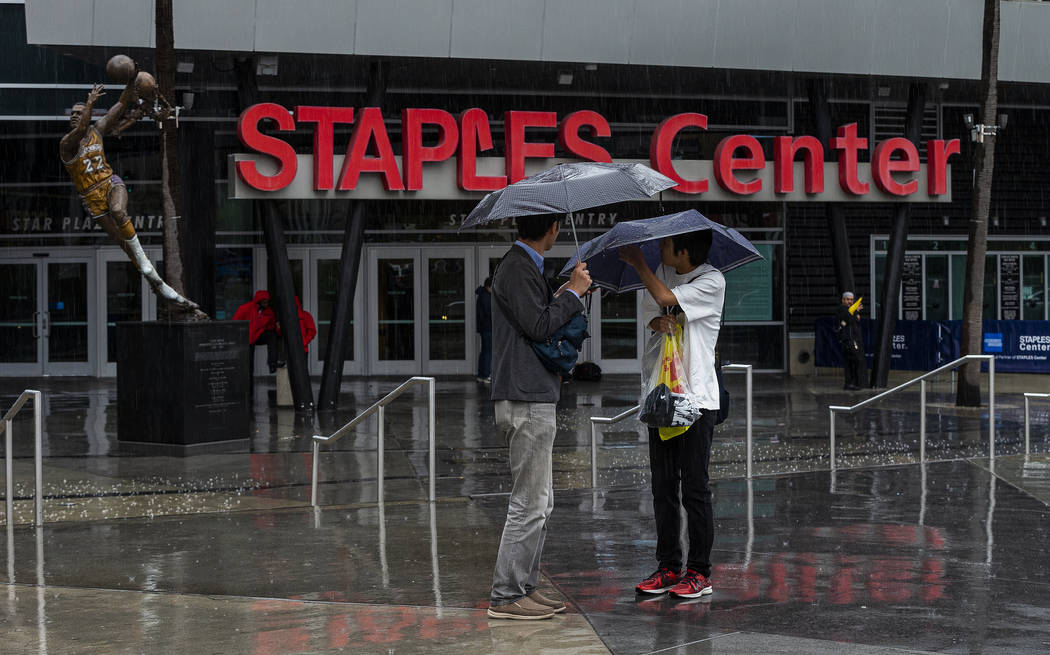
x,y
673,375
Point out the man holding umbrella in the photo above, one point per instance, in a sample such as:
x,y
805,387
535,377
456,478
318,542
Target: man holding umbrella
x,y
525,395
694,291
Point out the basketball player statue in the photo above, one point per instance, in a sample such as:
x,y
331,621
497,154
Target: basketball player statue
x,y
103,193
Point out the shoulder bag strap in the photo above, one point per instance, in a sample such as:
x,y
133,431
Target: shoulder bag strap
x,y
503,307
721,319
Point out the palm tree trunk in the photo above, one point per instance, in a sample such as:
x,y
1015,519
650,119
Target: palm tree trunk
x,y
969,389
174,273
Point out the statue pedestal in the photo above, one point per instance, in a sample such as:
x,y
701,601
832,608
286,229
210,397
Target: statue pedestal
x,y
183,388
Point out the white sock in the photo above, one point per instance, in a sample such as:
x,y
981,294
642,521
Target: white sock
x,y
141,260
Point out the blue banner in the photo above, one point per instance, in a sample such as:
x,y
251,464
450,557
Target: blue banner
x,y
916,345
1018,346
1023,346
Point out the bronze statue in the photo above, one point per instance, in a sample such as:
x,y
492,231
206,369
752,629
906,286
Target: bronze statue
x,y
102,191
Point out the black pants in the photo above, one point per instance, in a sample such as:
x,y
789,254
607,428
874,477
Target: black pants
x,y
485,356
854,366
683,461
269,339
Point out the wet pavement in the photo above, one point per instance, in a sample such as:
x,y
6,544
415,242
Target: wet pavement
x,y
222,553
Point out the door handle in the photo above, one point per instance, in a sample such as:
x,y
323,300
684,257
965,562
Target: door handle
x,y
47,323
36,325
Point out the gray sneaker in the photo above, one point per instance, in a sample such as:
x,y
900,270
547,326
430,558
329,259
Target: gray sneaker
x,y
556,605
522,609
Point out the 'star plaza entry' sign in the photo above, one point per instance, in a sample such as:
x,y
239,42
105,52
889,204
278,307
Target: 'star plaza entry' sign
x,y
452,169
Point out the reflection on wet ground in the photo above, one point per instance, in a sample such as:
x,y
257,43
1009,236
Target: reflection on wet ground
x,y
221,553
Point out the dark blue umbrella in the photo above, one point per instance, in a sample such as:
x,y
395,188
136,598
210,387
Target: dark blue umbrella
x,y
566,188
729,248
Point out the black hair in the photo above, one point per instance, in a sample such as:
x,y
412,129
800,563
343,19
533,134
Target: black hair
x,y
488,282
534,227
697,244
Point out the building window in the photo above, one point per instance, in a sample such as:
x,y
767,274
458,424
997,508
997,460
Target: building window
x,y
233,280
1015,278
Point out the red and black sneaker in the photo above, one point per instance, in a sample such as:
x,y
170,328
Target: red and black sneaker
x,y
692,585
659,582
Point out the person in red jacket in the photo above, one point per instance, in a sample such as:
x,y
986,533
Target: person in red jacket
x,y
262,326
307,327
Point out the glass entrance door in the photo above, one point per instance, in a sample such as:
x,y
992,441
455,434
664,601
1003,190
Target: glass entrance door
x,y
394,337
325,270
47,317
450,333
20,322
421,311
69,321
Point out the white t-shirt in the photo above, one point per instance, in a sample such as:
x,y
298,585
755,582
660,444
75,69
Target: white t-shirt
x,y
701,302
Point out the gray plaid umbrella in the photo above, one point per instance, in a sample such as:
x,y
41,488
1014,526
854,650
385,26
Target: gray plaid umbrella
x,y
566,188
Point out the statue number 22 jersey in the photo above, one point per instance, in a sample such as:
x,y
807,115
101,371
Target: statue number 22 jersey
x,y
89,167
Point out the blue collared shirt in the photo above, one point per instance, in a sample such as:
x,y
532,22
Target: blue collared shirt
x,y
537,258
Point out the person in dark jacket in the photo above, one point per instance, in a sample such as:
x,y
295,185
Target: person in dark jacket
x,y
525,394
847,326
483,325
262,325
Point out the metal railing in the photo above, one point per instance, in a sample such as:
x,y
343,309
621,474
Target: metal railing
x,y
921,381
7,426
605,420
1027,399
380,409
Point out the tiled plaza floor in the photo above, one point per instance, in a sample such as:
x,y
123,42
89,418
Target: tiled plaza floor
x,y
222,553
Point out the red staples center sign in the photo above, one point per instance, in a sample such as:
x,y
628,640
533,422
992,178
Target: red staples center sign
x,y
451,168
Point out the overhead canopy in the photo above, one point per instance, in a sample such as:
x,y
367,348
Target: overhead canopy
x,y
938,39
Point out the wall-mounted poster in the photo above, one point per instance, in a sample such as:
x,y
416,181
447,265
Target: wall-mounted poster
x,y
1010,287
911,288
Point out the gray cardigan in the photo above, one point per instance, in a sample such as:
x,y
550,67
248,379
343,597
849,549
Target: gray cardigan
x,y
519,289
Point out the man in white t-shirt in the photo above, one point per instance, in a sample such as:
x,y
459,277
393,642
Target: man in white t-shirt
x,y
694,291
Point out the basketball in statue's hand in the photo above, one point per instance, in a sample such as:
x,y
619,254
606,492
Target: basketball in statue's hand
x,y
145,85
120,68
